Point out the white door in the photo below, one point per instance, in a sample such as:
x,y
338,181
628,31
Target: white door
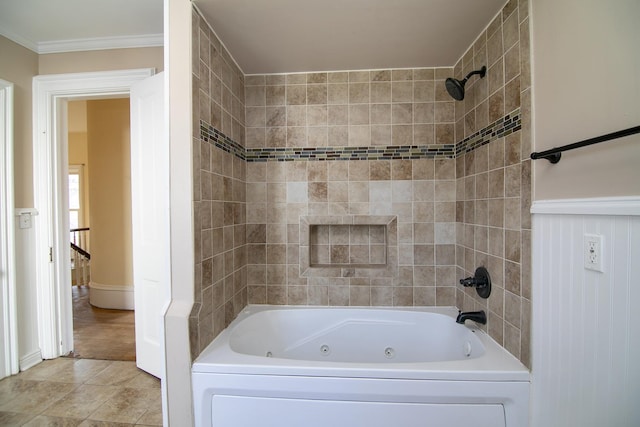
x,y
150,221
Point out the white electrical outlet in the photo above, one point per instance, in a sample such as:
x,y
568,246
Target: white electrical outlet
x,y
593,252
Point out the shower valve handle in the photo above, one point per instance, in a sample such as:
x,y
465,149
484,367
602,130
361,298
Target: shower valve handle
x,y
481,281
471,281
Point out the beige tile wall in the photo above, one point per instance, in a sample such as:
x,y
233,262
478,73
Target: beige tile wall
x,y
453,214
493,190
347,245
420,192
338,109
358,246
219,191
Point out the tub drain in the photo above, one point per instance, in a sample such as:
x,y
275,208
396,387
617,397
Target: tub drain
x,y
389,353
269,354
325,350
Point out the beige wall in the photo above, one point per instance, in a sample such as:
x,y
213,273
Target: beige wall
x,y
18,65
586,73
101,60
110,189
78,150
77,116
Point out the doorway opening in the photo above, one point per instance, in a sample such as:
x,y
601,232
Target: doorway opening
x,y
150,208
99,213
149,185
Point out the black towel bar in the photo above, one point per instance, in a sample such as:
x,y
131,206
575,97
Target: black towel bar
x,y
554,154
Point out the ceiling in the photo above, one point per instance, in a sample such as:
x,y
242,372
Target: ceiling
x,y
273,36
47,26
323,35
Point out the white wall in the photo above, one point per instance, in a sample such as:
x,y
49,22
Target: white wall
x,y
29,350
178,403
586,335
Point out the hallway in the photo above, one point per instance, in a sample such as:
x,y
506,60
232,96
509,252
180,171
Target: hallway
x,y
99,333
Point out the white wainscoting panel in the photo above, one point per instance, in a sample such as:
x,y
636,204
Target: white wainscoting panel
x,y
585,324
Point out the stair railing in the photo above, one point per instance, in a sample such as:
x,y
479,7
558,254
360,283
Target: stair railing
x,y
80,256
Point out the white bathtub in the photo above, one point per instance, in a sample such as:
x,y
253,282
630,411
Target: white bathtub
x,y
356,367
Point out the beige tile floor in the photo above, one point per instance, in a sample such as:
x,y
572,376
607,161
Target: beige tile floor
x,y
81,392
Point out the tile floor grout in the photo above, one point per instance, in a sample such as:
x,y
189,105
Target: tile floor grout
x,y
81,392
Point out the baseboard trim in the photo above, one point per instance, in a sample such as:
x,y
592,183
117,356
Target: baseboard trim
x,y
118,297
30,360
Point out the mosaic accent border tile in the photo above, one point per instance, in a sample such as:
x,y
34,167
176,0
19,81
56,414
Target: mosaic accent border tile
x,y
504,126
210,134
351,153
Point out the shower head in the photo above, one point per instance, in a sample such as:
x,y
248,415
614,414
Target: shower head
x,y
455,87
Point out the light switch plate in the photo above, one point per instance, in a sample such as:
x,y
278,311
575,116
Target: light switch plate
x,y
25,220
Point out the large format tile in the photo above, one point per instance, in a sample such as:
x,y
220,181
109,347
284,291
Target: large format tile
x,y
80,371
117,373
11,386
143,380
128,406
96,423
45,421
10,419
151,418
33,397
82,401
46,369
86,392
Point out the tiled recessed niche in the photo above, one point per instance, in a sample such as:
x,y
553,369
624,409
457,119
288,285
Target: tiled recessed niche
x,y
348,246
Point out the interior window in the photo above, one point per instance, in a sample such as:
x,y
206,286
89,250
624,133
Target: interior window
x,y
75,198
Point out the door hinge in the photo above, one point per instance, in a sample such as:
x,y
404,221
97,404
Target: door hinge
x,y
50,254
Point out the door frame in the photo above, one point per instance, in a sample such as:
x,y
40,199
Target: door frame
x,y
8,301
50,158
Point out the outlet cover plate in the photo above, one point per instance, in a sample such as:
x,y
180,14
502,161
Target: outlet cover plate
x,y
593,252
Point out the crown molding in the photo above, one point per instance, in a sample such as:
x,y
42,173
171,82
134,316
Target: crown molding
x,y
19,39
75,45
101,43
